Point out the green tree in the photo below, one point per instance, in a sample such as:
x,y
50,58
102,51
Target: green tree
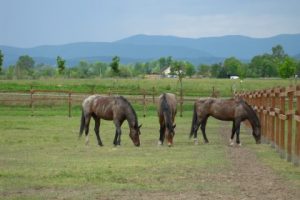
x,y
179,69
232,66
262,66
24,66
278,53
115,65
216,69
204,70
287,68
60,64
189,69
1,60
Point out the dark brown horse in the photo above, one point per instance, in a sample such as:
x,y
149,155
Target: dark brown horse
x,y
236,110
166,111
113,108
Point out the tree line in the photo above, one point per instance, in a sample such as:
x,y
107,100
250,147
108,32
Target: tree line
x,y
276,64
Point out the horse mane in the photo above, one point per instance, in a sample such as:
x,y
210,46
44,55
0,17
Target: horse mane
x,y
131,108
166,111
253,117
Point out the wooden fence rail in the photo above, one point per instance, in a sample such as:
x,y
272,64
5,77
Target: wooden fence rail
x,y
279,113
34,98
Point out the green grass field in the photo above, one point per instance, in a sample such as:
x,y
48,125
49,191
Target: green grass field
x,y
42,158
191,87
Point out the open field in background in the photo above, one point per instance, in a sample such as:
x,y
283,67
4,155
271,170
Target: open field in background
x,y
191,87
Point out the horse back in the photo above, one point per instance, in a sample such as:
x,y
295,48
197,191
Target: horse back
x,y
170,101
222,109
100,106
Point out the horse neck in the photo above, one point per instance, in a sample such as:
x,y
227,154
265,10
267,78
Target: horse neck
x,y
252,118
166,110
131,116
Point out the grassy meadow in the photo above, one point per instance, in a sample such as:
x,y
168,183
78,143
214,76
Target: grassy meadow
x,y
191,87
42,157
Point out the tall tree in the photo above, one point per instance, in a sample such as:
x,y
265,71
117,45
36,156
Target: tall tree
x,y
232,66
189,69
1,60
287,68
178,68
204,69
60,64
115,65
278,52
216,69
24,66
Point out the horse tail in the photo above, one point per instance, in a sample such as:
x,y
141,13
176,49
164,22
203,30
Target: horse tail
x,y
194,121
82,123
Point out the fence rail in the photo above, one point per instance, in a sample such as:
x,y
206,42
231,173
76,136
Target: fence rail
x,y
34,98
279,112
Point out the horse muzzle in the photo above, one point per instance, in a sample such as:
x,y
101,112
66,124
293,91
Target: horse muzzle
x,y
137,145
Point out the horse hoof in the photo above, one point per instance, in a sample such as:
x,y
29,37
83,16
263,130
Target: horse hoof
x,y
159,143
196,142
169,144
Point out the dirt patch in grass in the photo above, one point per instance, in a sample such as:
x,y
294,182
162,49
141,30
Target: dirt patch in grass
x,y
253,179
248,178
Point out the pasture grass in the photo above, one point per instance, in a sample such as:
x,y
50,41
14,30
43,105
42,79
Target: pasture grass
x,y
42,158
191,87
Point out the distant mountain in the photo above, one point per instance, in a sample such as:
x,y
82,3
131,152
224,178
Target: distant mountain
x,y
144,48
235,45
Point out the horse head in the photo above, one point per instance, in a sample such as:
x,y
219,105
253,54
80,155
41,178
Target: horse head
x,y
135,135
170,133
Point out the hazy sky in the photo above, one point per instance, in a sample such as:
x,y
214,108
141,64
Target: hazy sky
x,y
28,23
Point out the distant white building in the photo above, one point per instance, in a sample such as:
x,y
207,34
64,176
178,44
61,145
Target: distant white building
x,y
234,77
166,71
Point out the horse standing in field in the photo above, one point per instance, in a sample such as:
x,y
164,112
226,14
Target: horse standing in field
x,y
113,108
166,111
235,110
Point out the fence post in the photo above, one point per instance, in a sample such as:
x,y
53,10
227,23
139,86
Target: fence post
x,y
70,103
297,134
31,101
153,95
282,117
289,113
272,116
277,119
144,102
181,102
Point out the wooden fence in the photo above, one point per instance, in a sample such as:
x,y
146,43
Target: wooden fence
x,y
279,113
34,98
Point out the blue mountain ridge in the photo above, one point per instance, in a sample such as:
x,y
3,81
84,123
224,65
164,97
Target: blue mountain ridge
x,y
141,48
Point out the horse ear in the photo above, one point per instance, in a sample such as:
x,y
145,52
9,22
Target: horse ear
x,y
140,126
174,126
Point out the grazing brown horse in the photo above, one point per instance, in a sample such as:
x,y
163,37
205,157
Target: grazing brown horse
x,y
166,111
236,110
113,108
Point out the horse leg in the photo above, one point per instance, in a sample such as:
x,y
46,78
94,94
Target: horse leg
x,y
237,130
117,140
97,130
161,134
232,134
194,130
203,126
87,124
